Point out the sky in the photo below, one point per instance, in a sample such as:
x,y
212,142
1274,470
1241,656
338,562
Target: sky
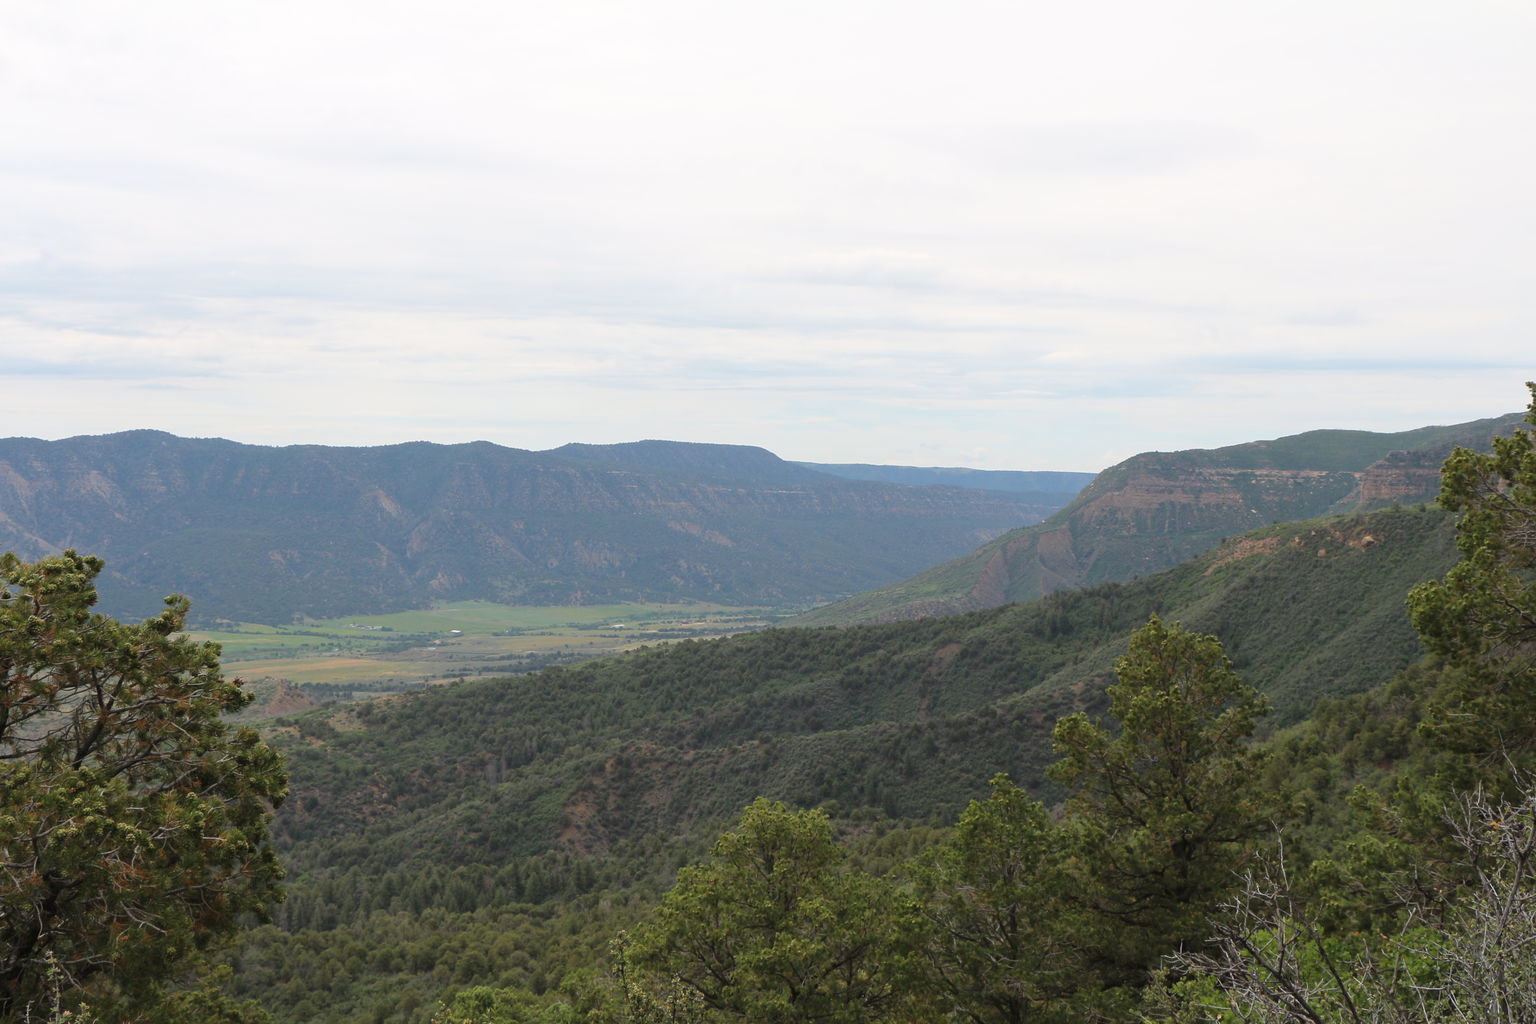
x,y
1007,235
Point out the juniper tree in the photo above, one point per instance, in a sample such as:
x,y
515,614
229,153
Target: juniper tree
x,y
776,928
1164,809
1481,618
133,819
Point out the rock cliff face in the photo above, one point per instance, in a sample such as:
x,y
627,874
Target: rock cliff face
x,y
1402,478
263,534
1158,509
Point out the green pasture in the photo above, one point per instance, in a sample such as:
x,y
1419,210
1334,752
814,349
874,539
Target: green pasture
x,y
485,617
460,639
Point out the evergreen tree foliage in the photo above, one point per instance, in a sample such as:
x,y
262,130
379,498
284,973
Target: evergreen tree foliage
x,y
1165,811
776,928
1481,618
1456,957
483,1004
1004,940
133,820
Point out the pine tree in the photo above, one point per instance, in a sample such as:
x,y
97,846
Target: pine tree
x,y
133,819
1002,942
1481,619
777,928
1165,811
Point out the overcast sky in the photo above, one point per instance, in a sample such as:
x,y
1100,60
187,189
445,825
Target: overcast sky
x,y
1019,235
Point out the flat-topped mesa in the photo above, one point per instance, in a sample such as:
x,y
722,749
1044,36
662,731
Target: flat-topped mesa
x,y
263,534
1158,509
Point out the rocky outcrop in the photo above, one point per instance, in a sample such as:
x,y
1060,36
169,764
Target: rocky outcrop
x,y
1158,509
1402,478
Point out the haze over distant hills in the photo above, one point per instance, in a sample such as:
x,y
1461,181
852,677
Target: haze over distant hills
x,y
1013,481
264,534
1157,509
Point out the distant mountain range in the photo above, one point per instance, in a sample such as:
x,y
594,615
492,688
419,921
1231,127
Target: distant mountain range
x,y
1048,485
1158,509
266,534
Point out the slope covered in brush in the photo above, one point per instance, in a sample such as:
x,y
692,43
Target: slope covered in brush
x,y
1157,509
439,832
910,716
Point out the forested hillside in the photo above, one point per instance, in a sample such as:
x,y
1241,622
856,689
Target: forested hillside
x,y
489,808
266,534
1156,509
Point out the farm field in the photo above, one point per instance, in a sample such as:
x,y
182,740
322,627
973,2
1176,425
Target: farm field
x,y
364,656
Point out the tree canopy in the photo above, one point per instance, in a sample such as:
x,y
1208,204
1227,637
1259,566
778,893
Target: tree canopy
x,y
1481,618
775,927
133,819
1163,811
1002,941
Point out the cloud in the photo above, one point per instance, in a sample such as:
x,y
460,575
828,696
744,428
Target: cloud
x,y
849,232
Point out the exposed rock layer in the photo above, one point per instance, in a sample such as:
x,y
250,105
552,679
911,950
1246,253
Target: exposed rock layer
x,y
1158,509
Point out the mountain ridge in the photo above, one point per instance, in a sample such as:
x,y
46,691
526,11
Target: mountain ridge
x,y
1156,509
264,533
1010,480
